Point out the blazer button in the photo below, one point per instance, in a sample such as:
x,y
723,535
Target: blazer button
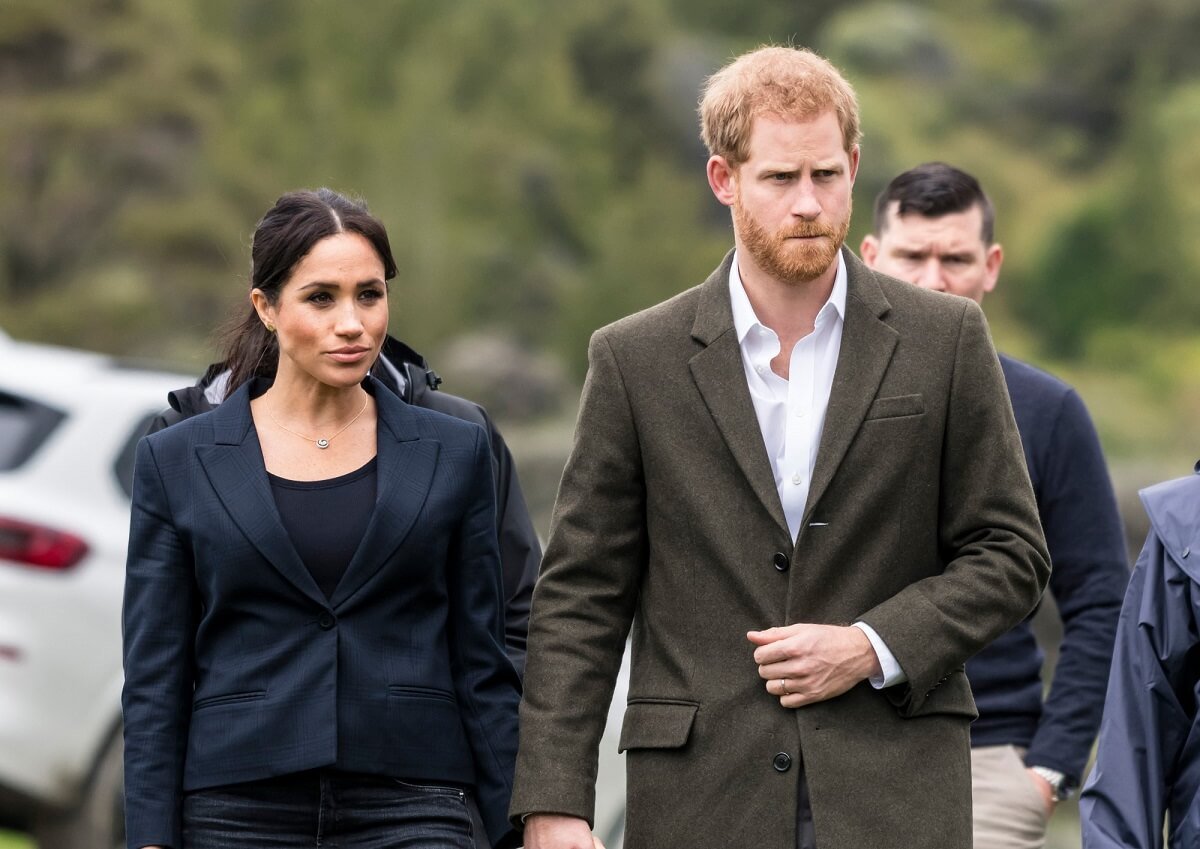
x,y
781,561
326,621
782,762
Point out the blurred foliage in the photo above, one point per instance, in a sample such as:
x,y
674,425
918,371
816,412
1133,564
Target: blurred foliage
x,y
538,165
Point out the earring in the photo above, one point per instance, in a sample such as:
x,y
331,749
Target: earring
x,y
270,328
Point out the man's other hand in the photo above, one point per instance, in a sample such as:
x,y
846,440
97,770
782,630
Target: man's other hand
x,y
803,664
1044,790
556,831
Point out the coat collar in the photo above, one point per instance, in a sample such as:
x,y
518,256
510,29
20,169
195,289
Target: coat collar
x,y
867,346
866,350
406,458
1174,511
717,371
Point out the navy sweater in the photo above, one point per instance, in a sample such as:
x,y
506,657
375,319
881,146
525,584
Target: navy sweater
x,y
1088,579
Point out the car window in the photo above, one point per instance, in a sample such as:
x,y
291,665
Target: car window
x,y
24,426
123,466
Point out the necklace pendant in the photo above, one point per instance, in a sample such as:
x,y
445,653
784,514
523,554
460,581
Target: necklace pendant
x,y
322,443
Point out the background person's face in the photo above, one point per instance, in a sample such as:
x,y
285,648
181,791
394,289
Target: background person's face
x,y
332,314
946,254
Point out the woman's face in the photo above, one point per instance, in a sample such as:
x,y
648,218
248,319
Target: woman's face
x,y
332,313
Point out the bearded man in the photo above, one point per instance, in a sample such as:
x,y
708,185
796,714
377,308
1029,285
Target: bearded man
x,y
802,486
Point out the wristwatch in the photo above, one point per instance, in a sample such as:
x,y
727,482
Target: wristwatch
x,y
1061,787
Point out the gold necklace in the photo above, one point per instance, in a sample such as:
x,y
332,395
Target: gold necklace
x,y
323,442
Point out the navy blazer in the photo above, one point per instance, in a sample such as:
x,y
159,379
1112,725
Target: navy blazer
x,y
237,667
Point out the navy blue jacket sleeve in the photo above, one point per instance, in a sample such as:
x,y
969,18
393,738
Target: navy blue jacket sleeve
x,y
520,549
1090,572
1145,722
158,621
488,689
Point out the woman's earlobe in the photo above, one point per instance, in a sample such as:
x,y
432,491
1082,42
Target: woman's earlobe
x,y
258,300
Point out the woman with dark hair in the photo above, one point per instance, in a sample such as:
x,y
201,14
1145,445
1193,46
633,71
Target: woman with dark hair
x,y
313,609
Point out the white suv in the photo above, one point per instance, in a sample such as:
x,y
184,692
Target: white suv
x,y
69,422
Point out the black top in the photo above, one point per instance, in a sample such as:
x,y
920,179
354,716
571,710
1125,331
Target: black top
x,y
1090,571
326,519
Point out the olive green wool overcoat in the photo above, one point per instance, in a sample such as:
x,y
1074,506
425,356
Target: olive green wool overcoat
x,y
920,521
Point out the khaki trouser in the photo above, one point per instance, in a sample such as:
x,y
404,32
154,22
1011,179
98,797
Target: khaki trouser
x,y
1008,809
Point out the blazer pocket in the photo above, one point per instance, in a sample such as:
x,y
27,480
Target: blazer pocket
x,y
409,691
657,724
228,699
896,407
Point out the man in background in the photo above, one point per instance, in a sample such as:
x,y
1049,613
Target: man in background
x,y
934,227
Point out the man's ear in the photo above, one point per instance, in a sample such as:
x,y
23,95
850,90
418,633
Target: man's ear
x,y
991,263
722,179
869,250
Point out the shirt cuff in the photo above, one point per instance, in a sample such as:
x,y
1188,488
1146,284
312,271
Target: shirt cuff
x,y
892,673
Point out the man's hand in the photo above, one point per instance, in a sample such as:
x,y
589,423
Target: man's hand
x,y
556,831
1043,788
803,664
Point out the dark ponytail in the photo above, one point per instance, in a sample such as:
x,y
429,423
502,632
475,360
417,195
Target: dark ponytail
x,y
283,237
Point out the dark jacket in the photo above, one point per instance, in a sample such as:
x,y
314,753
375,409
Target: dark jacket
x,y
238,674
1087,549
405,372
1148,760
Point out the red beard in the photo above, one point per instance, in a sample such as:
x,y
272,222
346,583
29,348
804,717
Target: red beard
x,y
785,258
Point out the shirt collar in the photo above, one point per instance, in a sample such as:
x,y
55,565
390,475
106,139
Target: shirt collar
x,y
744,318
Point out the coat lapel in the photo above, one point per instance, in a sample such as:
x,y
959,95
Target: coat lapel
x,y
867,346
721,379
235,468
405,465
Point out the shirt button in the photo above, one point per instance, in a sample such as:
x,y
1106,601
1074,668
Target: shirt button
x,y
759,369
326,621
781,561
782,762
796,479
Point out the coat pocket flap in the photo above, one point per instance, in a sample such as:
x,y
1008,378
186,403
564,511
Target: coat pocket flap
x,y
657,725
896,407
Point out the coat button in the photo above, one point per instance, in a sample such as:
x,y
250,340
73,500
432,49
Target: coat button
x,y
781,561
326,621
782,762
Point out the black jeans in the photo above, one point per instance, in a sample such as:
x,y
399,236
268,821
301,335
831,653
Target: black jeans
x,y
330,810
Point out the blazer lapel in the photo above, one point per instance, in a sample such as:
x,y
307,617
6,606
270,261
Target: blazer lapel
x,y
235,468
406,461
721,379
867,346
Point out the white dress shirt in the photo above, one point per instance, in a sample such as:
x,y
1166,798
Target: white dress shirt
x,y
791,412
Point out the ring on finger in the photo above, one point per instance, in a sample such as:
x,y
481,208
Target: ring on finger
x,y
783,686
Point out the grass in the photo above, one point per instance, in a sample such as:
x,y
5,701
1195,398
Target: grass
x,y
13,840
